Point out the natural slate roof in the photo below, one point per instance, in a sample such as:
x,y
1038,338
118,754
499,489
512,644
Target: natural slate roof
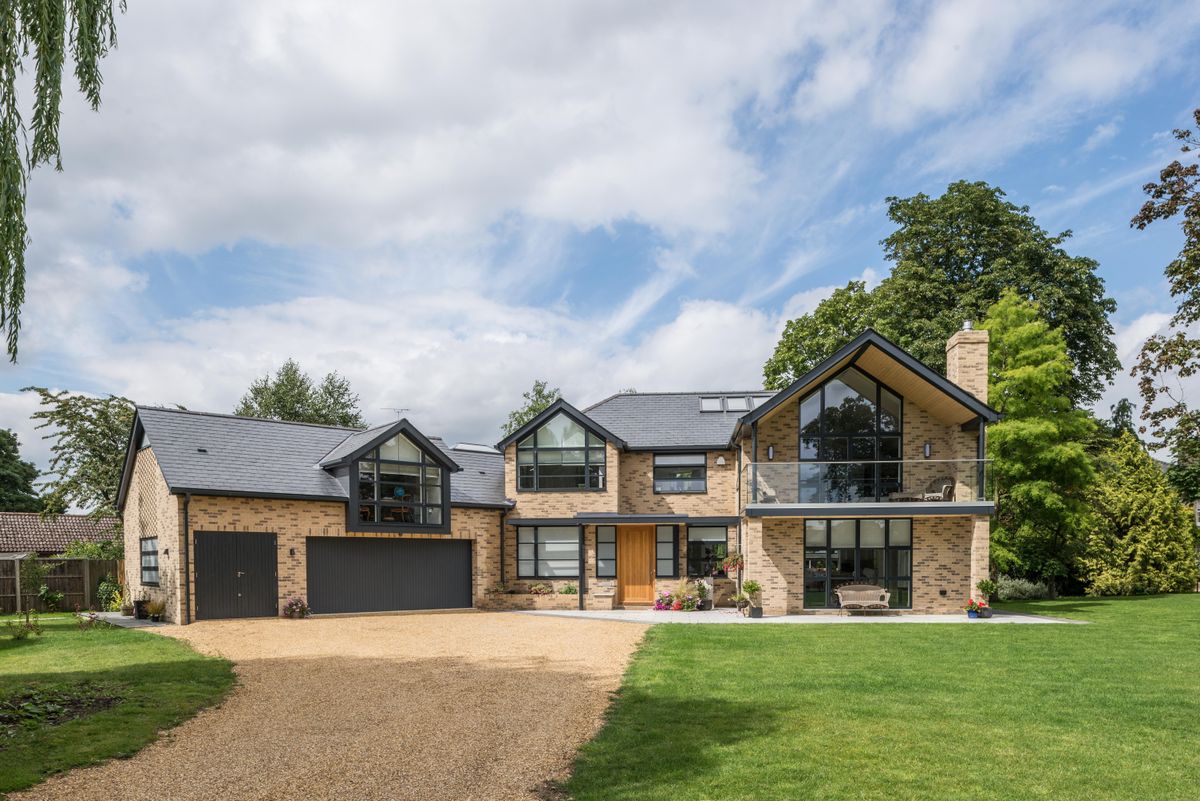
x,y
29,531
481,480
352,443
251,456
667,419
244,455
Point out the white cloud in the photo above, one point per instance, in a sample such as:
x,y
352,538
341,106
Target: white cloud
x,y
1103,133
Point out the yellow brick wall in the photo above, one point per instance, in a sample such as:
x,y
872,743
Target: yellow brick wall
x,y
293,521
637,494
947,553
152,511
967,361
563,504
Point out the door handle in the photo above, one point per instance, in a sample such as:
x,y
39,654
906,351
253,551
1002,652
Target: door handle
x,y
240,574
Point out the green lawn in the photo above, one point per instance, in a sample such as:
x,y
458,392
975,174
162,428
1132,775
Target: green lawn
x,y
1105,711
159,681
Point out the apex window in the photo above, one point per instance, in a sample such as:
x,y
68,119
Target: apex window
x,y
680,473
561,456
398,485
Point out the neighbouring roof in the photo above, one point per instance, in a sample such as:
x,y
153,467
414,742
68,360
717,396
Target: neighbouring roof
x,y
29,531
219,454
669,419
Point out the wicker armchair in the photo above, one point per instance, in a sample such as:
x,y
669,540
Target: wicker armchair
x,y
940,489
857,597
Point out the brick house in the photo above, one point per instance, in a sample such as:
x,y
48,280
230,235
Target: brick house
x,y
869,469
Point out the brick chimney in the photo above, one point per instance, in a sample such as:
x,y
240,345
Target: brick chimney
x,y
967,360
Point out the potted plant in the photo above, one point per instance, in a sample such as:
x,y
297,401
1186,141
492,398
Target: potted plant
x,y
733,563
975,608
664,601
139,609
155,610
126,605
753,591
703,594
987,589
295,608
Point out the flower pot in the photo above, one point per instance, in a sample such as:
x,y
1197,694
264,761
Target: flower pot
x,y
985,613
972,614
139,610
756,611
702,605
156,618
127,610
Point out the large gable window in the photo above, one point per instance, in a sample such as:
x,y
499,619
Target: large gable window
x,y
851,425
560,456
398,484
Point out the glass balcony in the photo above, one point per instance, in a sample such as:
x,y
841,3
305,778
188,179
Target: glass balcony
x,y
914,481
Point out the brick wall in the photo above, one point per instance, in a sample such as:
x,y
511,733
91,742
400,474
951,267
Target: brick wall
x,y
152,511
637,488
293,521
948,553
967,361
563,504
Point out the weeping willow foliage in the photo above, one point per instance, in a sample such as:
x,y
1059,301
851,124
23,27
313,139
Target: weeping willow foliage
x,y
41,35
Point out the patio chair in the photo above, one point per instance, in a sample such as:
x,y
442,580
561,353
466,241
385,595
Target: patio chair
x,y
940,489
862,597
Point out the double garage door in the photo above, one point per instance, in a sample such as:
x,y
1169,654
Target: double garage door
x,y
236,574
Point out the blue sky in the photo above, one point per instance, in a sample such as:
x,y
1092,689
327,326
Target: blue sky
x,y
446,202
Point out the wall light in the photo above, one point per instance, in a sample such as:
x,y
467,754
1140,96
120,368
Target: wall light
x,y
720,461
770,453
928,449
291,551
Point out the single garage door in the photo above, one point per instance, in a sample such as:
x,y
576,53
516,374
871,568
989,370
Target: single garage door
x,y
235,575
359,574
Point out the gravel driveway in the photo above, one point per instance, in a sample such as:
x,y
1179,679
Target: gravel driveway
x,y
438,706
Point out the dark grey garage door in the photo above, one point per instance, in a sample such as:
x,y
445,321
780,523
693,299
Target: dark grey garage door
x,y
235,575
357,574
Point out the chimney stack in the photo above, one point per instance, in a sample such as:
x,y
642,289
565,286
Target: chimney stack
x,y
967,360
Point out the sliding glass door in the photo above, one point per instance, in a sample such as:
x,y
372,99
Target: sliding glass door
x,y
839,552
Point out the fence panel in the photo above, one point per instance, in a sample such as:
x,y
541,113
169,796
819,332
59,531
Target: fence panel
x,y
76,579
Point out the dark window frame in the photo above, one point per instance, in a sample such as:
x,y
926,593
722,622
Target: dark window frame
x,y
689,559
353,521
658,530
655,479
823,434
142,554
536,561
615,546
587,449
888,550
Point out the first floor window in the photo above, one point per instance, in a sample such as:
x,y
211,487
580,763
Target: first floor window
x,y
666,545
561,456
399,484
548,552
680,473
840,552
149,554
707,546
606,551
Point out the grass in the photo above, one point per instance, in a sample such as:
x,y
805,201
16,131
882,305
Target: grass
x,y
895,712
160,682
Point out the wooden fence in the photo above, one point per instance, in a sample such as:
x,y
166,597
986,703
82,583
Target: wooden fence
x,y
76,579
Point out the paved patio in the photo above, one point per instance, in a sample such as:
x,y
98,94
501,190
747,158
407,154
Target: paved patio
x,y
117,619
645,616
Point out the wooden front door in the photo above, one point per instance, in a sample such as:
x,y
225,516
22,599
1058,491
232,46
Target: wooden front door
x,y
635,565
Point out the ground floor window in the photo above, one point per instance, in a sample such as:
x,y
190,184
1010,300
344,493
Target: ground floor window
x,y
606,551
840,552
707,547
548,552
666,552
149,555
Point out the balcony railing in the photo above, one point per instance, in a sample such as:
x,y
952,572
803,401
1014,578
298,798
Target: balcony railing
x,y
913,481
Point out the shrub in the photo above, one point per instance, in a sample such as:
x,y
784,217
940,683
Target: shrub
x,y
1010,588
295,607
568,589
50,598
21,629
108,594
664,601
752,589
540,588
986,587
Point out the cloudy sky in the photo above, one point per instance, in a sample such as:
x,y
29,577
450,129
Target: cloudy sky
x,y
446,201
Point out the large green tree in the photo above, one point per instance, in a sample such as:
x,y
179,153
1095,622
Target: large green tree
x,y
539,396
1041,469
47,34
952,257
17,493
1166,360
89,436
292,395
1141,538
